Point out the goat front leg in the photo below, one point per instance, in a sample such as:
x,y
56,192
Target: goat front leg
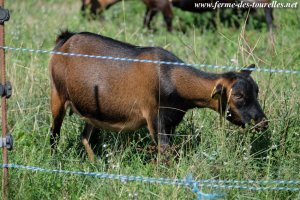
x,y
163,139
159,133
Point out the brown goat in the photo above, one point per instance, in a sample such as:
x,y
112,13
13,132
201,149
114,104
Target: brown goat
x,y
165,6
97,6
153,6
125,96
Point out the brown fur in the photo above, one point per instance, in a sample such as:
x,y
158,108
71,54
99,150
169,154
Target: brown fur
x,y
125,96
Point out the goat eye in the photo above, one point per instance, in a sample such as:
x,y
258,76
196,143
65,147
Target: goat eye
x,y
238,96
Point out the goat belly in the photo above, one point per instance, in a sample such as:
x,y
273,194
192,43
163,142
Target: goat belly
x,y
129,125
110,119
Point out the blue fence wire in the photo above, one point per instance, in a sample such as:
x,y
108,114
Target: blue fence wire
x,y
187,182
150,61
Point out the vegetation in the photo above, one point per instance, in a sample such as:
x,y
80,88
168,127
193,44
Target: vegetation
x,y
210,148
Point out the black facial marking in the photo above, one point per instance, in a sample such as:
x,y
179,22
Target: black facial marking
x,y
244,106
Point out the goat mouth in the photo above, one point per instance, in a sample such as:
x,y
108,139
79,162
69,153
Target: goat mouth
x,y
260,126
230,117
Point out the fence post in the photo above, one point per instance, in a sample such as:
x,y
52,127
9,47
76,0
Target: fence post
x,y
5,93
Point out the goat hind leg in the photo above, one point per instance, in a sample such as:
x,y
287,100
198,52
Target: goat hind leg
x,y
269,18
146,18
168,16
86,134
58,113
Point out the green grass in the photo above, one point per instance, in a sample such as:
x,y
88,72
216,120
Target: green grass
x,y
210,149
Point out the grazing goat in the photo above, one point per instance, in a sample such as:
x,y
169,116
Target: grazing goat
x,y
97,6
165,6
125,96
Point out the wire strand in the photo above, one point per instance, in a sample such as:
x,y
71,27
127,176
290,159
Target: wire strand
x,y
151,61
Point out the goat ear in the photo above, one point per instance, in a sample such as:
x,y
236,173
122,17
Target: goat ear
x,y
248,70
217,92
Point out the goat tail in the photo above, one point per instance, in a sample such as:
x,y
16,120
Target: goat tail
x,y
62,38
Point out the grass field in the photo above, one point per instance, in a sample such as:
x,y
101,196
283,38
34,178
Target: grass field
x,y
210,149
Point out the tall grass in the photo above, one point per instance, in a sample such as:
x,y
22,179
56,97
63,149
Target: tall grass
x,y
210,149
